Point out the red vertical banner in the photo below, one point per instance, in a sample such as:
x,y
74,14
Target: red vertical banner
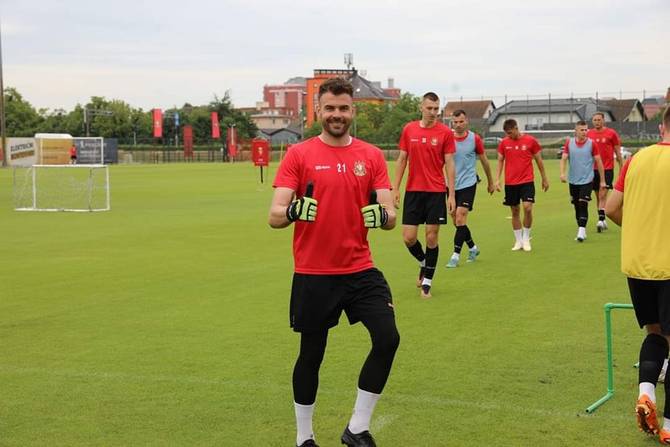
x,y
188,141
232,141
216,132
158,123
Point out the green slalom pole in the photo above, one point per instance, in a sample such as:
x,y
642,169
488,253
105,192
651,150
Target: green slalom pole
x,y
610,370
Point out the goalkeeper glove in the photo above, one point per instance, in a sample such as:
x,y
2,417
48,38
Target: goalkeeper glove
x,y
303,208
374,214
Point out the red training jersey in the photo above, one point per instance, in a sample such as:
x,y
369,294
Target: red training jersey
x,y
619,185
73,151
605,139
519,158
343,177
425,147
566,147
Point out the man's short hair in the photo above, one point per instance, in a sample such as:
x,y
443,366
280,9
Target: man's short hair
x,y
336,86
581,123
666,119
602,114
459,112
432,96
509,124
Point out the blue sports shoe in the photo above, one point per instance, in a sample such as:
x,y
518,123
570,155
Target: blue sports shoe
x,y
472,255
453,262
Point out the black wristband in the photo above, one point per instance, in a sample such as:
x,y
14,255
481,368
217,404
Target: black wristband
x,y
289,212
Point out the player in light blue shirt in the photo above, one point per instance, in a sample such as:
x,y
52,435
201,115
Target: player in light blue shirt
x,y
581,152
469,147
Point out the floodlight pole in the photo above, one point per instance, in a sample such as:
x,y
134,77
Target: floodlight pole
x,y
3,139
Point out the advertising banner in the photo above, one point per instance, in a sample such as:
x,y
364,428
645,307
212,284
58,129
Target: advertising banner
x,y
216,132
260,152
22,151
188,141
158,123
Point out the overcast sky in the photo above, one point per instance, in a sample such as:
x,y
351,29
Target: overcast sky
x,y
166,53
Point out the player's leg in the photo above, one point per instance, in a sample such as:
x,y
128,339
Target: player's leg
x,y
527,193
513,199
432,253
412,217
663,299
371,303
459,235
653,350
311,318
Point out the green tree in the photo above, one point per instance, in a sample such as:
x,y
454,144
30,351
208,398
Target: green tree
x,y
21,118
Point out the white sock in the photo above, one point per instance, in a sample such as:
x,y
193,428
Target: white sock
x,y
365,405
581,232
474,248
303,420
456,255
525,234
666,424
425,282
517,235
649,389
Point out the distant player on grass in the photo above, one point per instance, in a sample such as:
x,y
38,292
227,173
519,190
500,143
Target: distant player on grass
x,y
582,153
428,146
516,153
342,177
469,147
609,146
640,203
73,154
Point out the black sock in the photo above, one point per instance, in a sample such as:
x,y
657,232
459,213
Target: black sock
x,y
601,214
431,260
653,352
582,213
459,238
417,251
468,237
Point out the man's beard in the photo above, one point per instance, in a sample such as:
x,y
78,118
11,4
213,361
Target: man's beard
x,y
339,132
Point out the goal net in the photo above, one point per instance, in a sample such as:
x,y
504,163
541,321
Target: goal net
x,y
61,188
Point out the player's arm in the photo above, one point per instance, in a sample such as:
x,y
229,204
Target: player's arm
x,y
379,212
540,165
386,200
280,202
451,181
487,170
499,170
601,171
564,158
614,206
617,154
400,165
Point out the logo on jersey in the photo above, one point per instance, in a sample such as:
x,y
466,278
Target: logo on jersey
x,y
523,147
423,140
359,168
433,141
321,167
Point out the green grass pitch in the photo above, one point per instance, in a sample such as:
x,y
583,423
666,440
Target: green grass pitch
x,y
164,322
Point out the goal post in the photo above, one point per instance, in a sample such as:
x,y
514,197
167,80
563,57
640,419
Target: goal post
x,y
77,188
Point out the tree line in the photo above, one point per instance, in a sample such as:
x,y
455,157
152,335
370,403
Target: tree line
x,y
114,118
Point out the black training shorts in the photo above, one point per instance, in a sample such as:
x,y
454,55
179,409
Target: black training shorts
x,y
465,198
525,192
580,192
317,301
609,177
651,301
424,208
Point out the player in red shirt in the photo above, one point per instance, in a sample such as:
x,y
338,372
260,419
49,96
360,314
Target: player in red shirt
x,y
341,177
428,146
609,145
73,154
516,153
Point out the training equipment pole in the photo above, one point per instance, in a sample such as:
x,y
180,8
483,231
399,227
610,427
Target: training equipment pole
x,y
608,340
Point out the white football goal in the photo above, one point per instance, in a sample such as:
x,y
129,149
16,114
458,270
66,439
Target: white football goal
x,y
81,187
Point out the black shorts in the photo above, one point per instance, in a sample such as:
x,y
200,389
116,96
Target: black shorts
x,y
317,301
525,192
651,301
580,192
73,157
465,197
424,207
609,177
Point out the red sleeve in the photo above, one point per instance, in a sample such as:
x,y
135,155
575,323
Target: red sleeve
x,y
381,180
479,145
594,149
622,176
536,147
615,138
501,150
566,147
403,143
288,174
449,143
